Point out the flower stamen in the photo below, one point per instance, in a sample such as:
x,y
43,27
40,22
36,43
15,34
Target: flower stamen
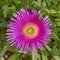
x,y
30,30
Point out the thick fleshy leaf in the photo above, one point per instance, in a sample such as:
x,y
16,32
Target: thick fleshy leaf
x,y
14,56
56,57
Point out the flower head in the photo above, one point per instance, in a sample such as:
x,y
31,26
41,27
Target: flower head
x,y
28,32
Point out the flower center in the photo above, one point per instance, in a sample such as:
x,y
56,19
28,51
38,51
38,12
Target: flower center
x,y
30,30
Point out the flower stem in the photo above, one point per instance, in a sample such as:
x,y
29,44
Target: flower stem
x,y
34,55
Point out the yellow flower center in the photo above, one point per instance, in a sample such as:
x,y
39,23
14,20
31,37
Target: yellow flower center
x,y
30,30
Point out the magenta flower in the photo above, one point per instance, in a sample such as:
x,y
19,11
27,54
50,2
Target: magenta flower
x,y
28,32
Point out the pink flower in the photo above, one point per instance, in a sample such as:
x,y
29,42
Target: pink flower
x,y
28,32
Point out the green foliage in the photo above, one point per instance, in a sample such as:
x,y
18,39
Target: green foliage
x,y
50,7
14,56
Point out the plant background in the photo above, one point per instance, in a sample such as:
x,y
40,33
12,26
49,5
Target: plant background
x,y
50,7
